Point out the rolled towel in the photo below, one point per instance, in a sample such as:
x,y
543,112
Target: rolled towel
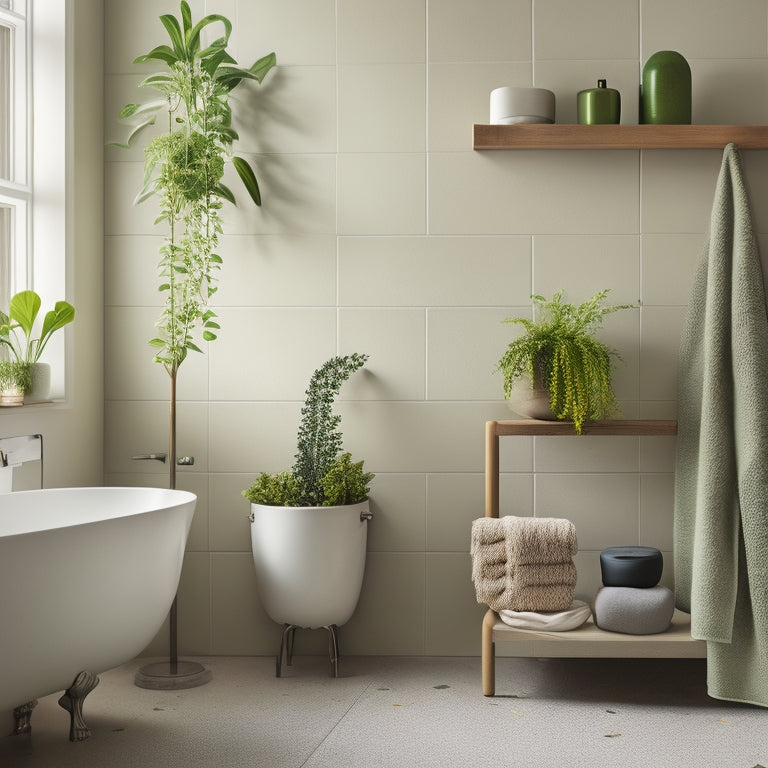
x,y
549,621
536,597
542,574
523,564
526,539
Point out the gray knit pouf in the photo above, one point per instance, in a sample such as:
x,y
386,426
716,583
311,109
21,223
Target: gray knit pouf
x,y
634,611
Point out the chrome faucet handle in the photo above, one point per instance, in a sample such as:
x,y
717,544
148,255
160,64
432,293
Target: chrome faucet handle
x,y
150,457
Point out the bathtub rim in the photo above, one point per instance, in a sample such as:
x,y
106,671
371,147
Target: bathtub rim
x,y
174,498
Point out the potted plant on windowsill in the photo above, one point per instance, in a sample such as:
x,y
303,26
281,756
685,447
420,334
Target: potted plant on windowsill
x,y
17,328
15,380
309,524
557,369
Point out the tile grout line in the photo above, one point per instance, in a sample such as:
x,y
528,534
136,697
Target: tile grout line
x,y
337,724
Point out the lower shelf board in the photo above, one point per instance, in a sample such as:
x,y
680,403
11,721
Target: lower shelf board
x,y
589,641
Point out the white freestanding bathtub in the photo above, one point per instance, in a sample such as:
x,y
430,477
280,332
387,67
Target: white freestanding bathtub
x,y
88,576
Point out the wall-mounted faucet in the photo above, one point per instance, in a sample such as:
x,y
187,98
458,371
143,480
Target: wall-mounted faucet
x,y
17,451
150,457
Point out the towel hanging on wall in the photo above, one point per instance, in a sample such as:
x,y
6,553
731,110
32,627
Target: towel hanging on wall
x,y
721,473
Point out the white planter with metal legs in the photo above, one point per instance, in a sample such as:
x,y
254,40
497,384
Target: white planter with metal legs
x,y
309,564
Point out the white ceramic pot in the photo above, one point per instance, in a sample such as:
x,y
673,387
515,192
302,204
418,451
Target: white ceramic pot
x,y
41,384
511,105
309,562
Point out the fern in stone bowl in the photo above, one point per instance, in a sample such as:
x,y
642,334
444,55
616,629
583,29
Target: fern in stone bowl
x,y
559,352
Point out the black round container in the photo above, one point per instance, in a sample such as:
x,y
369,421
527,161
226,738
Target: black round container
x,y
631,566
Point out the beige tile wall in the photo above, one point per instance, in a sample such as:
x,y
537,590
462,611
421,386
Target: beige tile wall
x,y
382,231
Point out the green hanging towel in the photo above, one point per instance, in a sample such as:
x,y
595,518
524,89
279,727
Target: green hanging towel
x,y
721,474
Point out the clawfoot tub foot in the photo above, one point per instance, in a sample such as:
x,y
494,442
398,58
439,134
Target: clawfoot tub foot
x,y
72,701
22,717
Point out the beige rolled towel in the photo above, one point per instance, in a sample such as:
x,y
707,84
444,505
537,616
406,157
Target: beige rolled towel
x,y
542,574
523,563
526,539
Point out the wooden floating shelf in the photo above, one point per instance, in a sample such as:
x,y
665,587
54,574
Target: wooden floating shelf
x,y
626,427
566,136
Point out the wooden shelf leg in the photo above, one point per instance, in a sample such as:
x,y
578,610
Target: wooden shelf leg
x,y
488,650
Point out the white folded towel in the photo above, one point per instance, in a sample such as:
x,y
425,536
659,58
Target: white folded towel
x,y
549,621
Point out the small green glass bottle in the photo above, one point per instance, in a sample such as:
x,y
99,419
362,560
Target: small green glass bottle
x,y
598,105
665,93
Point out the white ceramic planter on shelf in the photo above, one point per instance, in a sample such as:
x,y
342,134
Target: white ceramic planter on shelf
x,y
41,384
309,562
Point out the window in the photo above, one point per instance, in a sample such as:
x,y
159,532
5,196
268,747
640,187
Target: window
x,y
34,130
15,188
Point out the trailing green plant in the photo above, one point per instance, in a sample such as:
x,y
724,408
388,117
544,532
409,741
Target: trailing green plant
x,y
184,168
560,350
17,326
15,375
321,475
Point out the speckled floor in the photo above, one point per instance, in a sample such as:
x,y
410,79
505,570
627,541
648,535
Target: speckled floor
x,y
401,712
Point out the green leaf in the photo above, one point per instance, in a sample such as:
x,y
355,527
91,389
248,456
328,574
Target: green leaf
x,y
263,65
215,47
171,25
156,343
194,34
191,345
186,16
23,309
222,190
216,259
161,53
210,63
128,110
61,314
159,78
208,336
149,189
150,106
248,177
212,324
139,128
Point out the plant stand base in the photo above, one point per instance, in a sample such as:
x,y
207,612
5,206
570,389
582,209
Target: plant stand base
x,y
285,656
172,676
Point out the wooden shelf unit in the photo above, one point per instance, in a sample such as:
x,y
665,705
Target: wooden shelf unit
x,y
588,640
566,136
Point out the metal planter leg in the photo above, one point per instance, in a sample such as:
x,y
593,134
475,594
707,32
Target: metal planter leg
x,y
333,649
286,649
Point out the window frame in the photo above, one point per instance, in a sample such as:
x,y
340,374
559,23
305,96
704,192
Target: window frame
x,y
16,193
42,203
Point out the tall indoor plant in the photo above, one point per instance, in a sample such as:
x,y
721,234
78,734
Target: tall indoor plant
x,y
183,173
559,353
309,524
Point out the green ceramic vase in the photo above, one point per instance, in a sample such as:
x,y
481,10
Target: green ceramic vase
x,y
599,105
665,93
